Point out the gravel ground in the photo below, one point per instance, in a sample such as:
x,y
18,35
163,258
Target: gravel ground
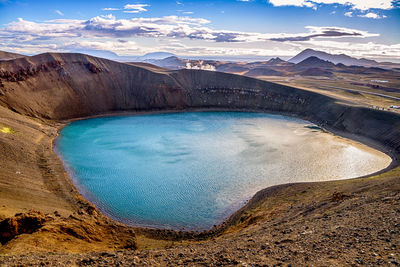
x,y
351,229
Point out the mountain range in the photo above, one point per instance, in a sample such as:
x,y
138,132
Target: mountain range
x,y
307,63
310,66
336,59
158,57
155,57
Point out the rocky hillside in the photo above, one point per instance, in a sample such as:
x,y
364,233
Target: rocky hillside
x,y
61,86
64,86
8,55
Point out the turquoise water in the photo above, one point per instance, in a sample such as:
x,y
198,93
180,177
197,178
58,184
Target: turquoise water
x,y
192,170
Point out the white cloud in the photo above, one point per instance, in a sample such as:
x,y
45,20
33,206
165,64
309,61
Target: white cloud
x,y
29,48
108,16
368,49
188,12
59,12
322,32
119,46
110,8
174,33
49,29
135,8
299,3
355,4
162,27
349,14
371,15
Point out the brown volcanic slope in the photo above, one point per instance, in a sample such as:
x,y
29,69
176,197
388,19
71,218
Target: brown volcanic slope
x,y
36,92
65,86
62,86
8,55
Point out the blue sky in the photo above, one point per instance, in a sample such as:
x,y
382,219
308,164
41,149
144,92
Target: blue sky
x,y
224,28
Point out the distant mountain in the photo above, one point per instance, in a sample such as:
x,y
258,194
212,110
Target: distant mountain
x,y
113,56
314,62
311,66
8,55
155,55
342,58
172,62
275,61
